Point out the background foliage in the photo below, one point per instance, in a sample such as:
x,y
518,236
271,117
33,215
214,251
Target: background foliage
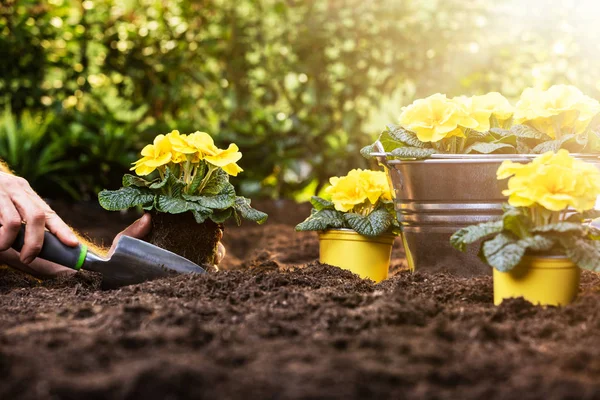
x,y
299,85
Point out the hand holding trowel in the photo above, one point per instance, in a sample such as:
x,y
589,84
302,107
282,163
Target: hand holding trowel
x,y
133,260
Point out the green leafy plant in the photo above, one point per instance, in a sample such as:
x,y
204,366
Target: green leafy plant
x,y
360,201
555,195
34,152
181,173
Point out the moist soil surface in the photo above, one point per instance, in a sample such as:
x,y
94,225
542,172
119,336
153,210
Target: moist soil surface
x,y
274,323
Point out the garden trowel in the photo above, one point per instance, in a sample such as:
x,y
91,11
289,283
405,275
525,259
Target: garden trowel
x,y
133,261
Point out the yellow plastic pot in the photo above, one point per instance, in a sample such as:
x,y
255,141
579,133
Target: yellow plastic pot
x,y
540,280
367,257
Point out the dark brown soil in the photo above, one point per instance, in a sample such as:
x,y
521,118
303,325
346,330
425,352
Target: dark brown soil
x,y
181,234
280,325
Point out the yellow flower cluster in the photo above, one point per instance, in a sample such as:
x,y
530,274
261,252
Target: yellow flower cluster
x,y
554,181
562,109
437,117
357,187
177,148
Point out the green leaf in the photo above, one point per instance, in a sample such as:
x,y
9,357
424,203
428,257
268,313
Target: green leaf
x,y
488,148
516,222
176,205
200,174
374,224
217,182
523,147
560,227
583,216
132,180
584,253
163,183
407,138
221,201
552,145
527,132
124,198
319,203
465,236
503,252
242,206
200,217
538,243
322,220
220,216
412,152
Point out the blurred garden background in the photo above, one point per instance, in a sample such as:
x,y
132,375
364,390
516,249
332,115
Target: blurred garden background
x,y
299,85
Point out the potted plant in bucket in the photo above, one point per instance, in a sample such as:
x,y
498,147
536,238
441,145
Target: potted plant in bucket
x,y
443,155
183,181
356,223
544,237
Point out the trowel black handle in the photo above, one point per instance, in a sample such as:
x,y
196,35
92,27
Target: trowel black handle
x,y
54,250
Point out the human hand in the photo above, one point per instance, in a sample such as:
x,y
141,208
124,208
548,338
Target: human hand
x,y
18,204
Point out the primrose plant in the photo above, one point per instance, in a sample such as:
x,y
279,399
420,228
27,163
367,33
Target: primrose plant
x,y
184,173
561,117
550,203
360,201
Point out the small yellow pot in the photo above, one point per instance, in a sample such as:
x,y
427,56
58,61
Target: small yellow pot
x,y
540,280
367,257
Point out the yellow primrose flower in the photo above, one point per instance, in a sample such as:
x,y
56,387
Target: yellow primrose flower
x,y
225,159
154,155
560,109
346,192
436,117
357,187
180,146
554,181
481,109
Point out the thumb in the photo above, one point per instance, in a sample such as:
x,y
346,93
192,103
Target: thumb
x,y
139,229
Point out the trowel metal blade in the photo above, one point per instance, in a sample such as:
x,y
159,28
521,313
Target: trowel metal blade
x,y
135,261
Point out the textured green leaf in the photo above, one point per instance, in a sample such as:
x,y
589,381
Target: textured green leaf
x,y
488,148
220,216
125,198
217,182
583,216
465,236
527,132
163,182
405,137
503,252
584,253
538,243
200,217
523,147
560,227
242,206
177,205
221,201
374,224
132,180
412,152
552,145
319,203
322,220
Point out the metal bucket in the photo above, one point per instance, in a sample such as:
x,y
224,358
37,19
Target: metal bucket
x,y
437,196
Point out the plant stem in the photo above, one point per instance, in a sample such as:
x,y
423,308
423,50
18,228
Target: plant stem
x,y
211,169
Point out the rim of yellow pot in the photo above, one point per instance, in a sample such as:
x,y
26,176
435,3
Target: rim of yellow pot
x,y
352,235
550,261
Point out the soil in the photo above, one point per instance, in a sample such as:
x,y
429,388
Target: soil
x,y
181,234
274,323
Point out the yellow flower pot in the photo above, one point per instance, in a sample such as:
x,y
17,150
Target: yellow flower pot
x,y
540,280
367,257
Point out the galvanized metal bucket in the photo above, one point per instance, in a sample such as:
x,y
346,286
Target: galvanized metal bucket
x,y
439,195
